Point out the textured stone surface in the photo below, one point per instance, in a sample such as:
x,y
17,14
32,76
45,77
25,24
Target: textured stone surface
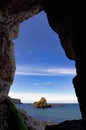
x,y
7,66
12,13
7,119
34,124
67,18
60,19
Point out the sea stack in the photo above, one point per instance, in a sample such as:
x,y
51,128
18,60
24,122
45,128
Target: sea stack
x,y
42,103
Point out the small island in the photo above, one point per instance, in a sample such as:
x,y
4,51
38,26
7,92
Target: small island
x,y
16,101
42,103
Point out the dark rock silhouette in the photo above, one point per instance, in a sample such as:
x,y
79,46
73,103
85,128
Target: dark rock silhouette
x,y
16,101
67,125
66,18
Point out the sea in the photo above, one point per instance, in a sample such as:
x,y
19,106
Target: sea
x,y
57,113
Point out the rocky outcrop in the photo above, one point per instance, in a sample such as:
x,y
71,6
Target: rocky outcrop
x,y
60,19
12,13
67,125
8,119
7,66
67,19
42,103
34,124
16,101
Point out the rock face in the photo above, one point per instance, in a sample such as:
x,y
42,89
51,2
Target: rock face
x,y
67,19
42,103
60,19
67,125
7,66
7,119
9,122
34,124
12,13
16,101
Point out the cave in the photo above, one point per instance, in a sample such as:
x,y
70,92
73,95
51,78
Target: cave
x,y
67,20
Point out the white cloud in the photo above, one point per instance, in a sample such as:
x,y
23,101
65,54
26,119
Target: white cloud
x,y
40,71
51,98
35,84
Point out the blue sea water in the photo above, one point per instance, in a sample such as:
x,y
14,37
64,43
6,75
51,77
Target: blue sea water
x,y
56,113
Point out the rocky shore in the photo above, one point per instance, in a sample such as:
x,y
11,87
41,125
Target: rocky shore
x,y
34,124
67,125
8,121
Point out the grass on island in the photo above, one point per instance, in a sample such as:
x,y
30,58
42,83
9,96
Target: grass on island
x,y
17,114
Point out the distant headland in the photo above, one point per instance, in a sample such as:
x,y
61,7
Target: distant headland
x,y
16,101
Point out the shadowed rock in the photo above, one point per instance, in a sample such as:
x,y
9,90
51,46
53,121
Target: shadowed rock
x,y
67,125
12,13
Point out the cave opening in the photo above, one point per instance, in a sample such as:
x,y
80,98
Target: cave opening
x,y
38,53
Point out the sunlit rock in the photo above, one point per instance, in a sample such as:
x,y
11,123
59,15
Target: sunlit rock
x,y
42,103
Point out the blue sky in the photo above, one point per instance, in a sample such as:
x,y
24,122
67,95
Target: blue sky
x,y
42,69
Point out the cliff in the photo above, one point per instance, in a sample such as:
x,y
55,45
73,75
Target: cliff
x,y
16,101
12,13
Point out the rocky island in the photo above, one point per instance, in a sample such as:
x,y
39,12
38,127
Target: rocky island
x,y
42,103
16,101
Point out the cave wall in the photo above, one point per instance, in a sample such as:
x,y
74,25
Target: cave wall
x,y
67,18
12,13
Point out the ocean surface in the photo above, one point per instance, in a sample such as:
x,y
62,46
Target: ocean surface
x,y
56,113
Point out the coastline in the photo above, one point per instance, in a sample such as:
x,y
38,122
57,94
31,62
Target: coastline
x,y
55,114
8,120
35,124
